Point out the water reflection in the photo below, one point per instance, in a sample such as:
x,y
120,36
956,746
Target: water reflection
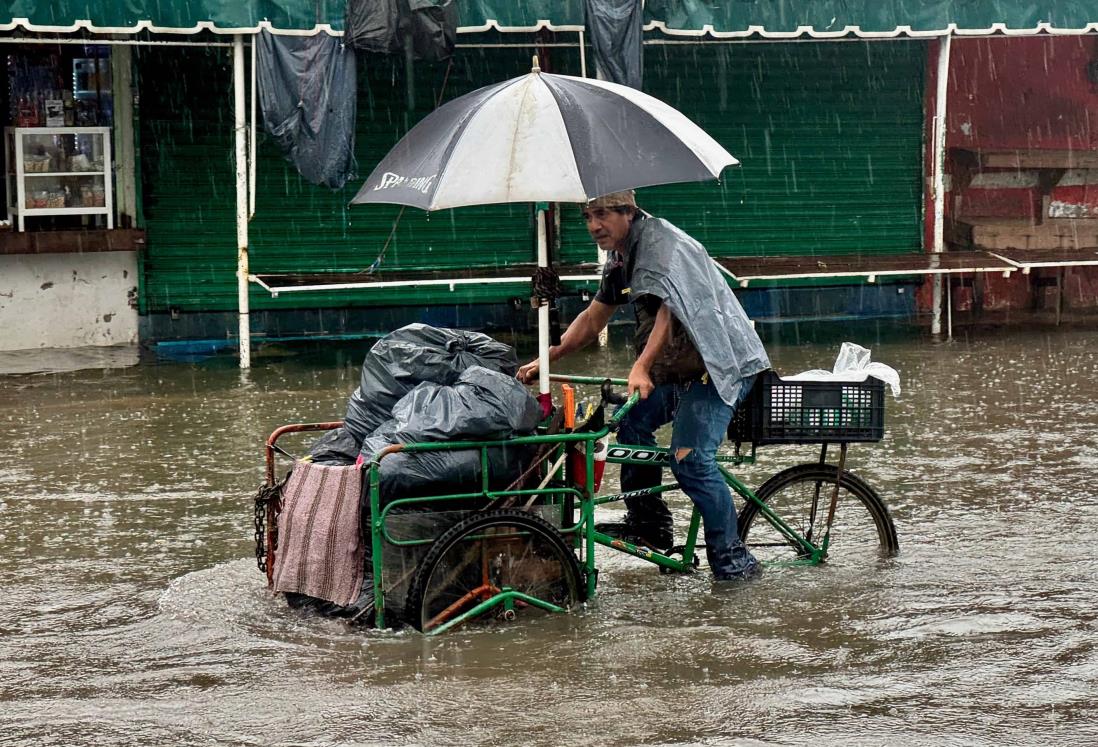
x,y
134,611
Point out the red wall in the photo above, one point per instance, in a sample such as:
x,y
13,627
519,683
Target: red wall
x,y
1027,93
1022,92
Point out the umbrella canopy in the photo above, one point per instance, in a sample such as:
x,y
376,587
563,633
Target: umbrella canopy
x,y
542,138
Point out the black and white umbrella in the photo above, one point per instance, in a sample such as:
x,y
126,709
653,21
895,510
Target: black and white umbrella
x,y
542,138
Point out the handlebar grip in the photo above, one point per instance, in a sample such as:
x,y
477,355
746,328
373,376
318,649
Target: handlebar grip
x,y
610,396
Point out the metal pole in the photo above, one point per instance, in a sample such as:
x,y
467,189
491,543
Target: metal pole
x,y
543,322
239,131
583,57
604,334
949,306
939,172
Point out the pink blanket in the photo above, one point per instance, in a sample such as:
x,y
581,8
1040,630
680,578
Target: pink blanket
x,y
320,551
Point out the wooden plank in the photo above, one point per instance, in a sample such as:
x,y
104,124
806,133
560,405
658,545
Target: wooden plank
x,y
1050,258
860,265
72,241
520,272
1039,159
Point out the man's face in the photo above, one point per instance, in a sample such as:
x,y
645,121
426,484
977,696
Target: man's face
x,y
607,227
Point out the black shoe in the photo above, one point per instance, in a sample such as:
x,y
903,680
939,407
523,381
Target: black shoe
x,y
752,571
733,564
656,538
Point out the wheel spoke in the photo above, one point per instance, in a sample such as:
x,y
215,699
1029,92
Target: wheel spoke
x,y
486,554
861,531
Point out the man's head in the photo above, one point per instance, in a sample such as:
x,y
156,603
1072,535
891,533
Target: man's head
x,y
609,218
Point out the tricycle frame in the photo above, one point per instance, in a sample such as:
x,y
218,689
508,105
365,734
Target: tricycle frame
x,y
582,532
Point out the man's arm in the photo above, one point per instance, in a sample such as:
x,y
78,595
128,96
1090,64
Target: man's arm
x,y
639,377
583,330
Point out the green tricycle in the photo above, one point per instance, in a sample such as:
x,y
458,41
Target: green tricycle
x,y
495,553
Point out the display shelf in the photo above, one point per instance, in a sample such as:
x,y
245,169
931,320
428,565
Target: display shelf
x,y
42,180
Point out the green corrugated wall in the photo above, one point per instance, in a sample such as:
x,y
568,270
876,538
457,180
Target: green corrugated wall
x,y
830,136
190,202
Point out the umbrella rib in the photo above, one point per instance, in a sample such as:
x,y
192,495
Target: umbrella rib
x,y
656,121
514,134
460,132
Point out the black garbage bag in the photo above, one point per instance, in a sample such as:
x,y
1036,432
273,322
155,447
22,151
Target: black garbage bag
x,y
307,91
414,354
446,472
336,447
482,405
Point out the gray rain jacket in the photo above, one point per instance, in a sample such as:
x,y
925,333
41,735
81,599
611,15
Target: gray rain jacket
x,y
675,268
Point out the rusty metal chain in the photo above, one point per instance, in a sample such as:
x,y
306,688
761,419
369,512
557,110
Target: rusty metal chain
x,y
263,499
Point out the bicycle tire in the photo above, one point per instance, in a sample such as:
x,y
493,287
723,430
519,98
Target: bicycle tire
x,y
791,493
544,553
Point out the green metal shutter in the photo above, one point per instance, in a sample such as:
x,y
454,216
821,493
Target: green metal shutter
x,y
187,174
829,135
190,203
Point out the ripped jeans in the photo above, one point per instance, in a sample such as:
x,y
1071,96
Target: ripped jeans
x,y
701,421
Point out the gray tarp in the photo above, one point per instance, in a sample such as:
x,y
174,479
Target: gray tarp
x,y
307,92
676,269
385,26
616,32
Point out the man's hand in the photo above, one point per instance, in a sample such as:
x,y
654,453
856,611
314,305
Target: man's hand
x,y
529,373
640,381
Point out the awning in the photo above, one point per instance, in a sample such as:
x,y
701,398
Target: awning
x,y
789,19
763,19
304,17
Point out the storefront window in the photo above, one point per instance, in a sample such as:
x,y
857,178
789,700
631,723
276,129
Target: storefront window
x,y
57,138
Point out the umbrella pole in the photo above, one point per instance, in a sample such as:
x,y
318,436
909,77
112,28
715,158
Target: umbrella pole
x,y
545,398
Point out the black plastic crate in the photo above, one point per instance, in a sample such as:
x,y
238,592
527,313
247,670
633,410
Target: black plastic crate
x,y
809,412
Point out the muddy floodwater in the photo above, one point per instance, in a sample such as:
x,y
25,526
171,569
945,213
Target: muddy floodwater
x,y
132,611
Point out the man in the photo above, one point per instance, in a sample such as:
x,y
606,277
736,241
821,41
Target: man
x,y
697,357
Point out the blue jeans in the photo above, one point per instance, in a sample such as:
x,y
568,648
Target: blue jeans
x,y
701,421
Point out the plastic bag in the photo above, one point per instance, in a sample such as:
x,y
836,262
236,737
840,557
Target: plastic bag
x,y
483,405
615,28
853,364
335,447
414,354
385,26
307,90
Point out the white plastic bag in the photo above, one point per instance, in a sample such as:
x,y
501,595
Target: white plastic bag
x,y
853,364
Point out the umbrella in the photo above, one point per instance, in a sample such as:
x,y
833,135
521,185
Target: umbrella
x,y
542,138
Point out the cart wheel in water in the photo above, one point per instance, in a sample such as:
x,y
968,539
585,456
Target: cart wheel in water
x,y
862,530
487,554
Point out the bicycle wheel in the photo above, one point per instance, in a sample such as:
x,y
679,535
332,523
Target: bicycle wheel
x,y
862,530
485,554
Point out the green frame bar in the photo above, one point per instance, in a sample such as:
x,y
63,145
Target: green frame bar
x,y
588,500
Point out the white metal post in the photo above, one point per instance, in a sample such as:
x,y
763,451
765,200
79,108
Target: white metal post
x,y
240,132
543,312
108,193
20,180
604,335
583,57
939,173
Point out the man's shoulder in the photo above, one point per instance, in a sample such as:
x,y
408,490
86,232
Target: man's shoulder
x,y
654,229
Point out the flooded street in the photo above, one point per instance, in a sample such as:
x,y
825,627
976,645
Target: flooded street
x,y
133,611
